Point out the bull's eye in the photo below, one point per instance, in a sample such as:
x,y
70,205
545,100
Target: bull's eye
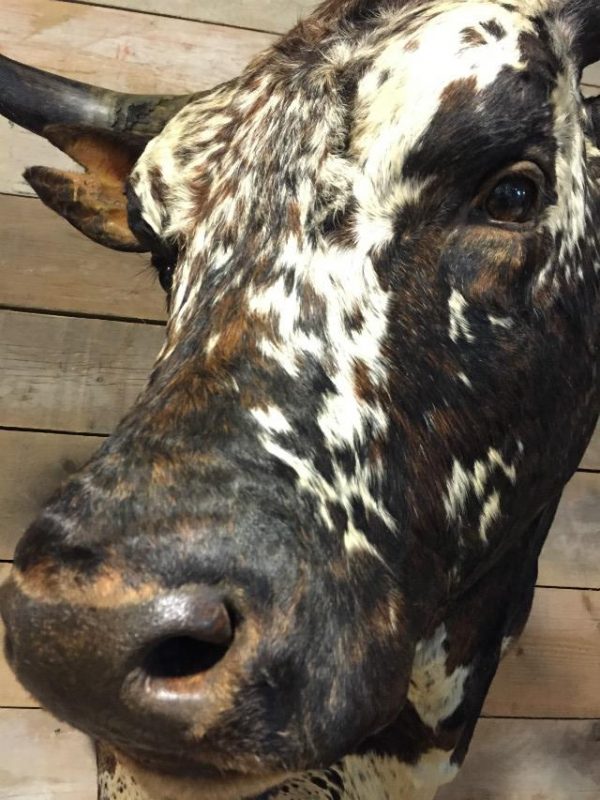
x,y
164,263
514,199
163,253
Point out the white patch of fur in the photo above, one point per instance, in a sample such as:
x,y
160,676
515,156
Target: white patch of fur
x,y
356,541
365,777
390,119
343,281
501,322
568,215
372,777
489,514
459,325
434,693
271,419
464,481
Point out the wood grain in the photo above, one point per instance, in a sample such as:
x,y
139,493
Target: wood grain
x,y
43,759
591,459
530,760
63,373
265,15
47,264
32,467
118,49
554,669
571,556
591,75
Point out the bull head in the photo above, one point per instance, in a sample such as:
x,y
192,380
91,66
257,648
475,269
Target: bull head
x,y
305,545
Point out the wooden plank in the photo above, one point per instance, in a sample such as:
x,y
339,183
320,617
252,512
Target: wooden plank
x,y
47,264
119,49
63,373
32,467
590,91
591,459
530,760
264,15
554,669
11,692
591,75
44,759
571,556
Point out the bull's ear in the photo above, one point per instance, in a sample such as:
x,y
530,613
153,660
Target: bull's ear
x,y
102,130
93,201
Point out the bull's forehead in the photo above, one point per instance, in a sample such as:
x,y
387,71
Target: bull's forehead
x,y
408,78
406,59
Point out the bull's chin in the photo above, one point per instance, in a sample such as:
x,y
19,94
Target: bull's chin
x,y
157,782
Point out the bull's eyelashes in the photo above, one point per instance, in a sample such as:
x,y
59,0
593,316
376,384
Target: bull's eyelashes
x,y
513,198
164,263
164,253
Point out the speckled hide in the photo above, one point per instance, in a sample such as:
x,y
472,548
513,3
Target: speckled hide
x,y
292,570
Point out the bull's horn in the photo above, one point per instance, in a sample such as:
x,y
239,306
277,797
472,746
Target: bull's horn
x,y
34,99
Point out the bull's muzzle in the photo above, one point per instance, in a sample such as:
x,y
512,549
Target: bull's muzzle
x,y
127,669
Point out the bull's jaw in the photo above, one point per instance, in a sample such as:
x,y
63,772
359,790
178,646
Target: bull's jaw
x,y
366,777
120,778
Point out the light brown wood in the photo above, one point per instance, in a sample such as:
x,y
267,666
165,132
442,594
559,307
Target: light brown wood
x,y
264,15
118,49
47,264
571,556
11,692
554,669
530,760
591,75
591,459
32,467
62,373
44,759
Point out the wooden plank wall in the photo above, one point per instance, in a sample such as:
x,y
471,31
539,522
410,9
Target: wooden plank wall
x,y
79,328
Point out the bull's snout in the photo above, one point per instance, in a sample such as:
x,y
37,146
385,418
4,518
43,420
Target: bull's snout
x,y
140,672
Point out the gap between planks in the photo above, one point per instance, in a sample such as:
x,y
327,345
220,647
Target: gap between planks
x,y
165,14
49,312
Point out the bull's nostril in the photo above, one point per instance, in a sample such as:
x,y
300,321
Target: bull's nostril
x,y
182,657
192,631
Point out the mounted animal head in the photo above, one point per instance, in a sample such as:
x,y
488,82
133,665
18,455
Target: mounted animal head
x,y
380,246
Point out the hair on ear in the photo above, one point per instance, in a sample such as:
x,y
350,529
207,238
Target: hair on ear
x,y
94,201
